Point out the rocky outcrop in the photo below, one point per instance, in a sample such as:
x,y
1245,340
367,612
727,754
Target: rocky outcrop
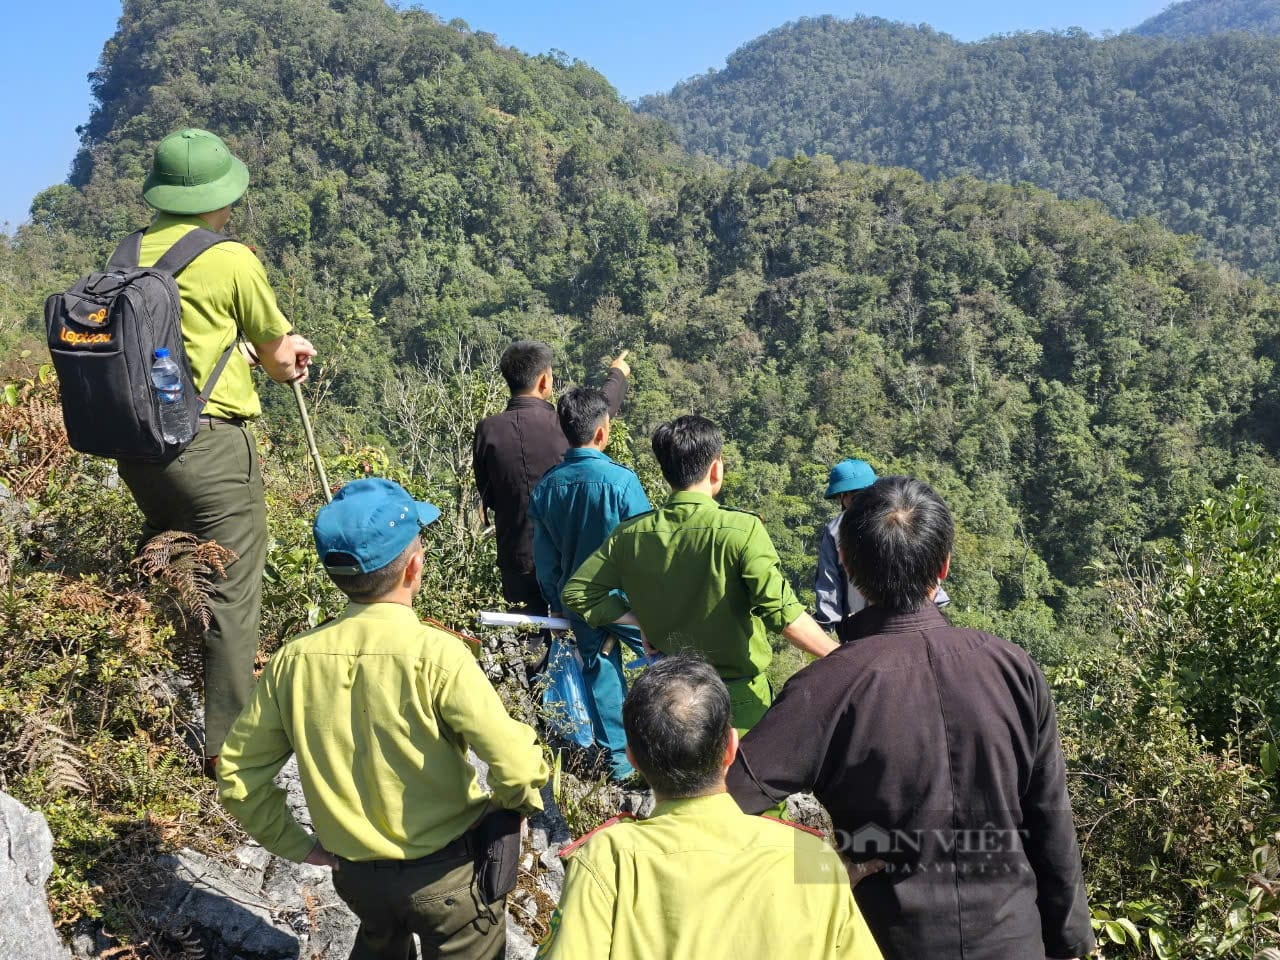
x,y
254,906
26,860
249,905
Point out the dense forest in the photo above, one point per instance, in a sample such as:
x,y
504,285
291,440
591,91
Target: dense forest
x,y
1199,18
1083,391
1184,131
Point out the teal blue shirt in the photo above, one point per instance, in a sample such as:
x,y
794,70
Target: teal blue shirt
x,y
573,509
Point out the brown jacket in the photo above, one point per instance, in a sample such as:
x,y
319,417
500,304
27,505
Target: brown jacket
x,y
511,452
935,749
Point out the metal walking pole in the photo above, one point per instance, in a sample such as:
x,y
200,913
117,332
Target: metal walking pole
x,y
311,440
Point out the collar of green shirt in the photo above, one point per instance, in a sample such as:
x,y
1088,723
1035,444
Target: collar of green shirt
x,y
391,612
713,805
692,496
163,220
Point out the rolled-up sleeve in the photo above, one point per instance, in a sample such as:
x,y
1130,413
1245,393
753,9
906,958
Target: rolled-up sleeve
x,y
256,309
772,599
590,591
473,709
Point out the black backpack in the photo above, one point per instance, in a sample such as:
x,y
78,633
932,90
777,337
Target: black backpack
x,y
103,334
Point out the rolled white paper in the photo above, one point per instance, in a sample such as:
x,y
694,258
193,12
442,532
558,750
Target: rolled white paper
x,y
498,618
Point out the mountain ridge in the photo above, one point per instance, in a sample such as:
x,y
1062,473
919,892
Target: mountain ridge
x,y
1180,130
1199,18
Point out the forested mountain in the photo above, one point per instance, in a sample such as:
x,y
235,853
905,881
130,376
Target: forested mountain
x,y
1199,18
401,166
1185,131
1074,385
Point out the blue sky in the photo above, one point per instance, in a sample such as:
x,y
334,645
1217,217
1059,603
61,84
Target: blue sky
x,y
47,50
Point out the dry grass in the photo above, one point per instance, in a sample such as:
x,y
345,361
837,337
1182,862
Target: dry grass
x,y
33,440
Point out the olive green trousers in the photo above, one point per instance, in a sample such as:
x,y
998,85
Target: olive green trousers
x,y
749,699
437,901
213,489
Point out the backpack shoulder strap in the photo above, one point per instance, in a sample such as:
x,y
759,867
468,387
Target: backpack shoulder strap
x,y
176,259
192,244
207,391
127,252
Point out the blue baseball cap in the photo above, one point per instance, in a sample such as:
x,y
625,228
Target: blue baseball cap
x,y
849,475
368,524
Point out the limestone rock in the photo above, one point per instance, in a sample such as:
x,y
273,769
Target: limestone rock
x,y
519,946
26,860
191,896
804,808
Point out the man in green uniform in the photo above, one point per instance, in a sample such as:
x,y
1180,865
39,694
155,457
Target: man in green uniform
x,y
699,878
213,489
380,710
695,575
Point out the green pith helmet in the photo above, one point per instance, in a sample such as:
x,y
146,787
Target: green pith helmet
x,y
194,172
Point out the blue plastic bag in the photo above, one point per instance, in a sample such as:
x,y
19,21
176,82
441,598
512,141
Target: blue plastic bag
x,y
564,699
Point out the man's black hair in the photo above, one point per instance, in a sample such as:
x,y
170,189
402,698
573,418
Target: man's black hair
x,y
894,539
677,720
686,447
581,411
367,587
523,362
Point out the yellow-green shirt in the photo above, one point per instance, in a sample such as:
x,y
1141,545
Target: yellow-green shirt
x,y
380,710
698,576
224,288
701,879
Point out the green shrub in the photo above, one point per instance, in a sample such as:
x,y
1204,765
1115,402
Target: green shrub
x,y
1169,743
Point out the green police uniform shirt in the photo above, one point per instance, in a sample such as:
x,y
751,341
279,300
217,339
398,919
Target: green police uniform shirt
x,y
224,289
697,576
380,710
701,879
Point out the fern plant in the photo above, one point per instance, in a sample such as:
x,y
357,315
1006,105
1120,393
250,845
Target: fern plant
x,y
188,566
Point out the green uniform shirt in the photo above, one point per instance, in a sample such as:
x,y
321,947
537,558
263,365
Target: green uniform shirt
x,y
701,879
698,576
380,710
224,288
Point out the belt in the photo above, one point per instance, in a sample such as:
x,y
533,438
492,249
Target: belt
x,y
209,421
454,850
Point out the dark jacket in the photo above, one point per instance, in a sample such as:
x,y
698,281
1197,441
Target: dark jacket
x,y
935,749
512,451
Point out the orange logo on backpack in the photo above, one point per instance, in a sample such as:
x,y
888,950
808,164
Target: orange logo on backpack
x,y
97,317
82,339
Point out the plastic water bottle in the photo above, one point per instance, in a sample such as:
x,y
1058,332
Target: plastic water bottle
x,y
167,379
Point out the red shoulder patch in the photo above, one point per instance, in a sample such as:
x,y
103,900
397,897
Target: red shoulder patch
x,y
794,826
466,637
568,849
